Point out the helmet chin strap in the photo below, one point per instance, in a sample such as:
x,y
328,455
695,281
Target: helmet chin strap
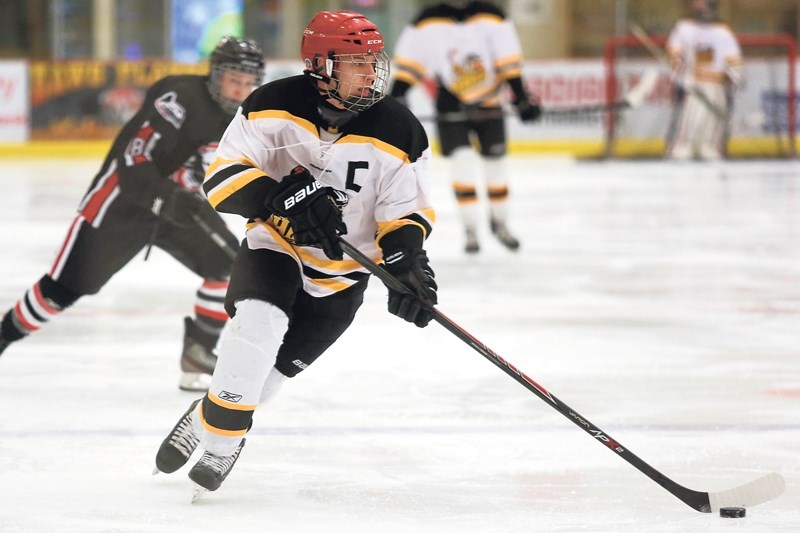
x,y
332,116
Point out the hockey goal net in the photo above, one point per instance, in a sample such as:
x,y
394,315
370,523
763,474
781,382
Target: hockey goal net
x,y
764,116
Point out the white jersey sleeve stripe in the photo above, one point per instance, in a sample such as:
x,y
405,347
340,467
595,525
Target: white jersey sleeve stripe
x,y
484,17
434,20
515,59
284,115
234,183
377,143
221,162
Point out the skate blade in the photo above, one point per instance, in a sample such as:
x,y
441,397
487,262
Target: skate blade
x,y
194,382
198,492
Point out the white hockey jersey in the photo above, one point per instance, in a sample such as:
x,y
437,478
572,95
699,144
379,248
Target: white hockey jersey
x,y
471,51
705,52
379,161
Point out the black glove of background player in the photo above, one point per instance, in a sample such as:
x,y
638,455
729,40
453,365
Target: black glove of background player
x,y
412,269
312,213
528,108
528,111
181,207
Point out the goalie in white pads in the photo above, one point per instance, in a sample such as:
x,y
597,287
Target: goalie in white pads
x,y
472,51
707,66
306,159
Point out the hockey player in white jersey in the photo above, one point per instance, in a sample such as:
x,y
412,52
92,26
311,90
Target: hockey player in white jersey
x,y
471,51
707,66
308,158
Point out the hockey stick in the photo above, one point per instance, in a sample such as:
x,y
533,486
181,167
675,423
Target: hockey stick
x,y
216,237
758,491
632,99
659,54
151,241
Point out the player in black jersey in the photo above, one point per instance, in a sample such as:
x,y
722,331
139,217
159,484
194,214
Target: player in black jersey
x,y
307,159
471,51
147,194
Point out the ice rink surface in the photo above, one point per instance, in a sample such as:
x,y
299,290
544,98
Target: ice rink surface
x,y
660,301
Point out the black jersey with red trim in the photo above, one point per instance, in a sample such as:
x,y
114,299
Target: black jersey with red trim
x,y
165,143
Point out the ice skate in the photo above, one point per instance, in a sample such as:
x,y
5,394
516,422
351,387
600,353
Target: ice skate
x,y
197,359
710,154
211,470
176,449
502,233
471,245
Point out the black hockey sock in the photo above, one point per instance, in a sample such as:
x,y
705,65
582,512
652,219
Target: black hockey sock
x,y
202,333
8,330
210,312
44,300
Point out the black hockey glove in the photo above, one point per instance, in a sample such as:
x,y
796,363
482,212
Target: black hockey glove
x,y
528,111
412,269
311,211
181,207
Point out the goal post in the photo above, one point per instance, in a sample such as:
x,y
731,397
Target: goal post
x,y
764,115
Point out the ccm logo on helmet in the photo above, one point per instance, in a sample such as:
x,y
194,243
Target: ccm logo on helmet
x,y
302,194
375,41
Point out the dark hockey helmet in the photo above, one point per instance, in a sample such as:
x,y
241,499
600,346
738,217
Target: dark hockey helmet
x,y
335,38
704,10
241,55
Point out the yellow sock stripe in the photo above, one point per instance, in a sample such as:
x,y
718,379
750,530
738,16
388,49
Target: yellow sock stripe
x,y
230,405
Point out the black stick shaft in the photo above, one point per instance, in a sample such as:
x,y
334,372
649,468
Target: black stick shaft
x,y
694,499
486,114
216,237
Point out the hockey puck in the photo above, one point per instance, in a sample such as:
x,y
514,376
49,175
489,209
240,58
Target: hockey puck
x,y
731,512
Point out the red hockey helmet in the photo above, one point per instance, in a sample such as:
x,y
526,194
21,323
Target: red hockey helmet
x,y
335,38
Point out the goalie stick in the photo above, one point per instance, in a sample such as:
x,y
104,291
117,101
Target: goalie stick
x,y
761,490
659,54
634,98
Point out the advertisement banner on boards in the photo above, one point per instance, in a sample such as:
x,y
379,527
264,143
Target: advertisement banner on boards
x,y
14,103
92,99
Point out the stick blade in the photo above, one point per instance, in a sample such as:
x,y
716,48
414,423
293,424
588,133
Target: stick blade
x,y
642,90
761,490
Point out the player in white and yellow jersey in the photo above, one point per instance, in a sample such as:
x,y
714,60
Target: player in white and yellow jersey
x,y
471,51
306,159
707,66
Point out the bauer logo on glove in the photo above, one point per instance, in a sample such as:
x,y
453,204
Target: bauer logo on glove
x,y
300,173
313,212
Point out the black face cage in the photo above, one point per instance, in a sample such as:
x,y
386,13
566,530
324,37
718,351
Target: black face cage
x,y
215,81
378,88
